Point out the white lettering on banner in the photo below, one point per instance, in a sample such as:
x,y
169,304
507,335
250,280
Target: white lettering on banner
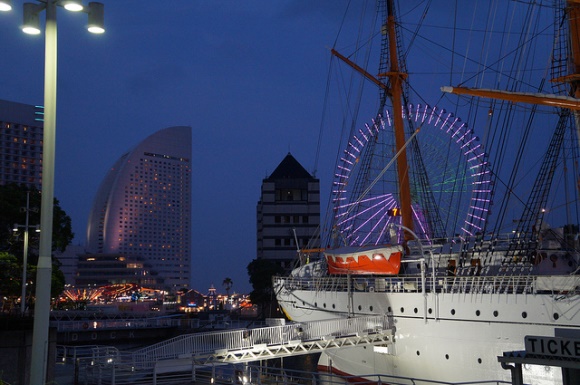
x,y
553,346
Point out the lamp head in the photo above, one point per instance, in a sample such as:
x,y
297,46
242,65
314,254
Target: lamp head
x,y
72,5
31,22
5,5
96,18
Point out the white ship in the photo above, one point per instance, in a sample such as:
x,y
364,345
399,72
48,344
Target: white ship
x,y
456,211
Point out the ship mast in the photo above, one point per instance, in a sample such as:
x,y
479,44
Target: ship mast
x,y
572,103
573,9
394,90
396,78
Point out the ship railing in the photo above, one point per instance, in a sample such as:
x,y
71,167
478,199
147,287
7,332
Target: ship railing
x,y
496,284
198,344
458,244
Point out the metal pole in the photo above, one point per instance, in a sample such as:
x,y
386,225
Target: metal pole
x,y
44,270
422,268
25,259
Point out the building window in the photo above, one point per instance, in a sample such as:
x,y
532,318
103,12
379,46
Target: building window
x,y
290,195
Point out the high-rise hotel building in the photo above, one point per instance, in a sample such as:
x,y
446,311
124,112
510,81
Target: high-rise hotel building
x,y
21,143
142,210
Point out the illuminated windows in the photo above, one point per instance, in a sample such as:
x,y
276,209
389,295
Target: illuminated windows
x,y
154,213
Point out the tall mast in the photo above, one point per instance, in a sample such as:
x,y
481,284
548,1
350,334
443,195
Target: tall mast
x,y
393,90
396,79
573,79
573,9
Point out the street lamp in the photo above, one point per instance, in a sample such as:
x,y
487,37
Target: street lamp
x,y
44,268
6,5
25,253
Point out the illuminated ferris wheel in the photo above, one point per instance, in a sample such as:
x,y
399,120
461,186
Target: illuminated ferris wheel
x,y
449,177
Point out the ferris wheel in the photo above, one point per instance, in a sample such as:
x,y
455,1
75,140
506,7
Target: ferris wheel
x,y
449,176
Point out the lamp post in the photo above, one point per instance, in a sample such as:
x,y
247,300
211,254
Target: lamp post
x,y
25,253
44,269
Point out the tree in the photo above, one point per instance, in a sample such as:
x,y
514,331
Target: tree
x,y
12,211
261,272
228,283
10,277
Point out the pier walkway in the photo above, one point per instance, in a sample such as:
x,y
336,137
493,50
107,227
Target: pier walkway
x,y
190,352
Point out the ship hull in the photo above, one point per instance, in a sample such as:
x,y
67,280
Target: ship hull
x,y
451,337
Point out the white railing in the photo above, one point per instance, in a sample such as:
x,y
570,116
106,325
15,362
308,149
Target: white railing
x,y
209,343
70,354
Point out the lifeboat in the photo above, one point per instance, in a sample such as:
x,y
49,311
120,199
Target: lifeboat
x,y
376,260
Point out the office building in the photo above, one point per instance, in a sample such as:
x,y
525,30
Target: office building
x,y
21,136
288,213
142,210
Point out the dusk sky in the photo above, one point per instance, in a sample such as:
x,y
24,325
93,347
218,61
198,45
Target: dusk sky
x,y
249,77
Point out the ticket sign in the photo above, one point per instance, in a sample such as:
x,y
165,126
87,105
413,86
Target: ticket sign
x,y
553,346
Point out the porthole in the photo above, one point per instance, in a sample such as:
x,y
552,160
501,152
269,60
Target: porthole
x,y
477,313
430,310
402,310
556,316
370,308
333,306
359,307
324,305
418,353
479,361
452,311
524,314
416,310
495,313
447,356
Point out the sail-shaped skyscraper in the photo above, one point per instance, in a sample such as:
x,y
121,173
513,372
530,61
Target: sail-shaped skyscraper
x,y
142,210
